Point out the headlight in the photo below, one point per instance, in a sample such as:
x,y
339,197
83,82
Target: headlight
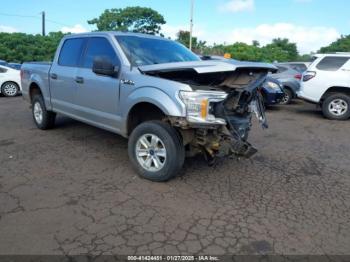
x,y
273,85
198,104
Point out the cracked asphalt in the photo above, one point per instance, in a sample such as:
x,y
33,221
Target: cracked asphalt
x,y
71,190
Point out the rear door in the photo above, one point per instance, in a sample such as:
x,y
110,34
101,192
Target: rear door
x,y
98,95
62,76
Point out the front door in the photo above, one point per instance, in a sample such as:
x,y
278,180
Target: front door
x,y
97,95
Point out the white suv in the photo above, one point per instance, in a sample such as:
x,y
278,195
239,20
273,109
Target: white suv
x,y
327,83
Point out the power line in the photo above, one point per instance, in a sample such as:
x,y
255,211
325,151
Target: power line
x,y
36,17
25,16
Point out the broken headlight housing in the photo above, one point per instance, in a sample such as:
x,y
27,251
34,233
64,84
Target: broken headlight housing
x,y
198,105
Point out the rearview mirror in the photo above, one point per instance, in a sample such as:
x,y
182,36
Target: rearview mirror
x,y
104,66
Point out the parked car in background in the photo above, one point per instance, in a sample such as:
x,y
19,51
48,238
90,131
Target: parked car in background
x,y
290,80
272,91
327,83
16,66
152,90
301,67
10,81
3,63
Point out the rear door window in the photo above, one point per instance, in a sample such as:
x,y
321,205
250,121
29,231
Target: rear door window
x,y
71,52
99,46
281,69
332,63
299,67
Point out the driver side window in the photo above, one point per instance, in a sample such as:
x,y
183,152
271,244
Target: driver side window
x,y
99,46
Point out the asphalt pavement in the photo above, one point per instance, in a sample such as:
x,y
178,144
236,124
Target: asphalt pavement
x,y
71,190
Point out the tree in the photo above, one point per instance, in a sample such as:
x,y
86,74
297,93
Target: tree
x,y
19,47
340,45
135,19
183,37
282,50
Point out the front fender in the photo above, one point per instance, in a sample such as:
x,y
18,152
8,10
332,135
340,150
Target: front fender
x,y
171,106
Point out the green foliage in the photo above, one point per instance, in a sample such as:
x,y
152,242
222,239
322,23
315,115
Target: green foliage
x,y
134,19
19,47
341,45
280,50
184,38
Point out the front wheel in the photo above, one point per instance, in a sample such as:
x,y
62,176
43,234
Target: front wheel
x,y
156,151
10,89
288,95
336,107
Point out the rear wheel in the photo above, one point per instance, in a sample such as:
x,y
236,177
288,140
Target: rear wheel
x,y
156,151
10,89
336,106
43,118
288,95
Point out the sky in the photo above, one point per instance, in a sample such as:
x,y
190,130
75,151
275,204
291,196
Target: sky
x,y
310,24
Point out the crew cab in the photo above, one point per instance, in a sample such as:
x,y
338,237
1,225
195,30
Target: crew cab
x,y
327,83
153,91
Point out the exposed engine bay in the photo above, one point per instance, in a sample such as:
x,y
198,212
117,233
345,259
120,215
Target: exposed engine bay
x,y
236,109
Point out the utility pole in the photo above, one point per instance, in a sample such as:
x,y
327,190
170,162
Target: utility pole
x,y
43,22
191,23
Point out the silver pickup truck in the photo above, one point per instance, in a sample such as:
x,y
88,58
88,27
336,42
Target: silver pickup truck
x,y
164,98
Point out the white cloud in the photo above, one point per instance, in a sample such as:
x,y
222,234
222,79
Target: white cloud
x,y
74,29
7,29
307,38
234,6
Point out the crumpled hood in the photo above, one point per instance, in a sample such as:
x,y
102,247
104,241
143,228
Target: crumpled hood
x,y
208,66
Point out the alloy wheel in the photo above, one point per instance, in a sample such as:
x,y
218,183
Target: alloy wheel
x,y
150,152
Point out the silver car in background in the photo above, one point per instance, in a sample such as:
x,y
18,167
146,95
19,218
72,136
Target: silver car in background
x,y
290,79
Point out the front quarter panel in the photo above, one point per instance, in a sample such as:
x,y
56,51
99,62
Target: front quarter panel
x,y
159,92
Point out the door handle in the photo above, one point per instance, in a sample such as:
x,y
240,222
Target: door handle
x,y
53,76
79,80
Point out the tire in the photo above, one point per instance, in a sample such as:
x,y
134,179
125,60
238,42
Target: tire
x,y
10,89
150,155
288,96
336,106
43,118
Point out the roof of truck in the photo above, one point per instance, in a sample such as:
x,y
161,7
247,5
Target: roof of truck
x,y
114,33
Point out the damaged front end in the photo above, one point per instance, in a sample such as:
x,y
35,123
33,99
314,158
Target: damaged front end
x,y
219,109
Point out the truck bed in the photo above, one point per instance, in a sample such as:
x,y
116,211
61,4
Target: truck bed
x,y
36,73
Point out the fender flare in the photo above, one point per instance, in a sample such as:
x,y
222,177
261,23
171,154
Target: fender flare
x,y
35,79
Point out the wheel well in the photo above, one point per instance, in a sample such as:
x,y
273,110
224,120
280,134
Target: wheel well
x,y
34,89
336,89
290,89
142,112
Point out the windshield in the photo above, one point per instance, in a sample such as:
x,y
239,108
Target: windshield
x,y
149,51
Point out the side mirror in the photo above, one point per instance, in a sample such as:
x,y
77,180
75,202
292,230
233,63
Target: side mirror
x,y
104,66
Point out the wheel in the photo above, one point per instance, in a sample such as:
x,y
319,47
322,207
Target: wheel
x,y
10,89
288,95
336,106
43,118
156,151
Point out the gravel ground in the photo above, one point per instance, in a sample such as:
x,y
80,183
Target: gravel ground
x,y
71,190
